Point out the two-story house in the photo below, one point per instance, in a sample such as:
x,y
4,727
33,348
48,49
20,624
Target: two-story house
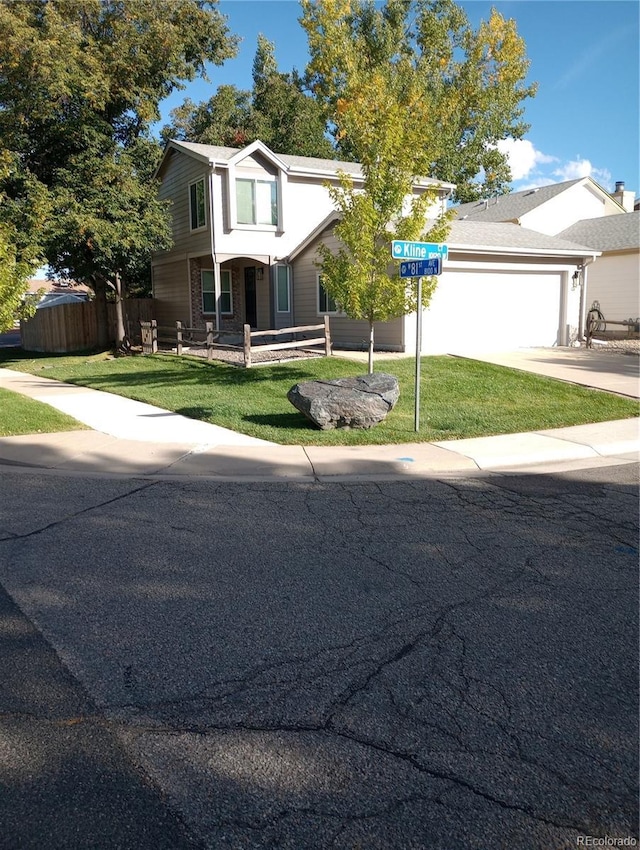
x,y
246,227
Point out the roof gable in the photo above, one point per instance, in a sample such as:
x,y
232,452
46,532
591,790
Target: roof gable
x,y
514,206
307,166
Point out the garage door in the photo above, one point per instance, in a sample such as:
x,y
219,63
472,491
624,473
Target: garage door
x,y
492,311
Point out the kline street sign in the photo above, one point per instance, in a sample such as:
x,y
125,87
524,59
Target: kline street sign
x,y
421,268
401,250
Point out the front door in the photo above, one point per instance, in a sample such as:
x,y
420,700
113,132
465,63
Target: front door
x,y
250,312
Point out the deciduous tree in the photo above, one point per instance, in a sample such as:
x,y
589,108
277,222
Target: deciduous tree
x,y
277,110
80,84
401,85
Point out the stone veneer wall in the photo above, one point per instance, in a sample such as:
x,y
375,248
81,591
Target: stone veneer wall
x,y
232,322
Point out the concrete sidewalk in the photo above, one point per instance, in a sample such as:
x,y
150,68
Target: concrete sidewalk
x,y
138,439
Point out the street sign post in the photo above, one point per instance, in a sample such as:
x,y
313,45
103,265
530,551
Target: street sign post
x,y
420,259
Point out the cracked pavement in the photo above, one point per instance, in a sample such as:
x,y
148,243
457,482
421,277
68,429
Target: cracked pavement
x,y
435,664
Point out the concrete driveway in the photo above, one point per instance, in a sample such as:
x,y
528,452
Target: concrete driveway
x,y
602,370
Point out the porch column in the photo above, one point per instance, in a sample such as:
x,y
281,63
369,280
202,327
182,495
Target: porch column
x,y
217,293
563,332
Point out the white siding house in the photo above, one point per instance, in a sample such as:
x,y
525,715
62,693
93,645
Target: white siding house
x,y
237,216
614,281
247,224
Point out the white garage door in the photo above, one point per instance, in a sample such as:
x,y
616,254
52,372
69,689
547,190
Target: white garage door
x,y
492,311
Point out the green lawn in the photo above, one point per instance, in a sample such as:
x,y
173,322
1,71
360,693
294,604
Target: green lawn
x,y
460,398
22,415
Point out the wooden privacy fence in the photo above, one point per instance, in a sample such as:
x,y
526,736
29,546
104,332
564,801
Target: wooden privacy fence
x,y
74,327
325,339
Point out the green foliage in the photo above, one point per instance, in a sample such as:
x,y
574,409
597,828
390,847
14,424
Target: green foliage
x,y
462,89
277,111
110,219
80,84
225,119
376,95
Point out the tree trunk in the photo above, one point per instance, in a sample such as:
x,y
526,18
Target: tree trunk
x,y
371,348
100,288
122,342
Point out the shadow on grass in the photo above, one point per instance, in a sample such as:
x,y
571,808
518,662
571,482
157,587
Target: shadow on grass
x,y
282,421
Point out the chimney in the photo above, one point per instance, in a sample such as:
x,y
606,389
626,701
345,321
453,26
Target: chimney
x,y
623,197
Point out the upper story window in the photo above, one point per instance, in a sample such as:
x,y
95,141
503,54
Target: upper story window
x,y
197,205
256,201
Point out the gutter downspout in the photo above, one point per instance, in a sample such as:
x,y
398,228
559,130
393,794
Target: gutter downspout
x,y
216,264
586,261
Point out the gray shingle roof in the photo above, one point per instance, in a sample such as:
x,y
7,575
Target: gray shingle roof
x,y
513,206
511,237
295,163
609,233
308,162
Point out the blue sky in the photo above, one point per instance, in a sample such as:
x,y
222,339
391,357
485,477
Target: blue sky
x,y
584,55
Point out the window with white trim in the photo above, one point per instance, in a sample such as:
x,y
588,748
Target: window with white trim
x,y
256,201
326,304
283,289
197,205
209,292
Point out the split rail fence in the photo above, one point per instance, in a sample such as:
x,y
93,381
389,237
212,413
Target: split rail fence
x,y
154,335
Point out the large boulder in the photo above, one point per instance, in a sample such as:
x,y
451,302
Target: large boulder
x,y
359,402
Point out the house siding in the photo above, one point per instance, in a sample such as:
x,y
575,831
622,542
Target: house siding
x,y
345,332
614,281
178,173
171,293
577,202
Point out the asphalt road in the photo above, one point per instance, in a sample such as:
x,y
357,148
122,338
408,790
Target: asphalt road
x,y
447,664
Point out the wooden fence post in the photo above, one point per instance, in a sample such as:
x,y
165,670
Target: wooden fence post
x,y
154,336
209,328
179,339
327,337
247,346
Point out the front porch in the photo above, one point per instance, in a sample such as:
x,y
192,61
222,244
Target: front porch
x,y
245,293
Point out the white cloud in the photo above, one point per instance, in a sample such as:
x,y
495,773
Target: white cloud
x,y
576,168
522,156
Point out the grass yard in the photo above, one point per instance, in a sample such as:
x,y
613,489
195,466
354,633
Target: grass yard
x,y
460,398
22,415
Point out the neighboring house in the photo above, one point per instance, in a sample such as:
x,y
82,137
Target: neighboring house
x,y
614,281
547,209
581,211
248,223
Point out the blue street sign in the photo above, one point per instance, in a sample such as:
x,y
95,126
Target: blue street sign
x,y
418,250
421,268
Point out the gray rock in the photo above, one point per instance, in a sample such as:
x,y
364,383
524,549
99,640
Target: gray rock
x,y
359,402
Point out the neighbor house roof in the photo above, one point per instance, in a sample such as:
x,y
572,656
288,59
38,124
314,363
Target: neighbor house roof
x,y
481,237
609,233
513,206
303,165
505,237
